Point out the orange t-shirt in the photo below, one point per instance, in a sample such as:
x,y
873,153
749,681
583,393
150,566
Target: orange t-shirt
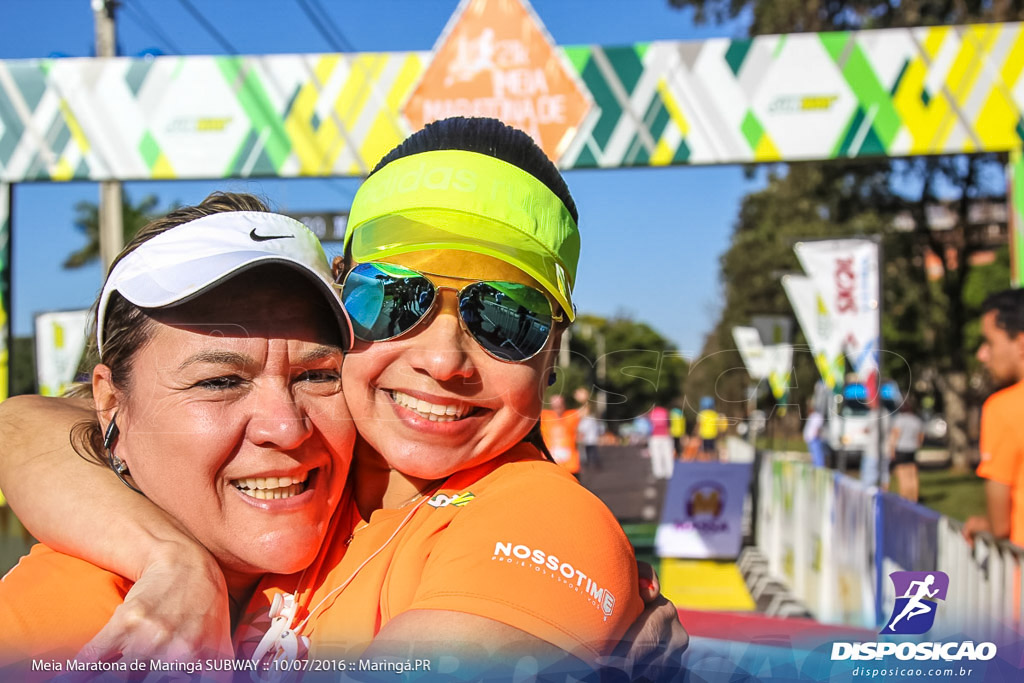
x,y
1002,450
52,604
559,434
516,540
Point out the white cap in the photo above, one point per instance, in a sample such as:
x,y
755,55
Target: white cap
x,y
191,258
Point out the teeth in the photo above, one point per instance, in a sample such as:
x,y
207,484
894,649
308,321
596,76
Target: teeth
x,y
274,494
254,485
431,411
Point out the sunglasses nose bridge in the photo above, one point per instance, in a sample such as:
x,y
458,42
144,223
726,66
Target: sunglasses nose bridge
x,y
446,300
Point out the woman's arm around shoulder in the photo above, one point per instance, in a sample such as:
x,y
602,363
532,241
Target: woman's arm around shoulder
x,y
80,508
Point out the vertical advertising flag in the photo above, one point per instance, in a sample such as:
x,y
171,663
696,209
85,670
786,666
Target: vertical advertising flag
x,y
748,343
774,363
845,273
60,342
780,367
818,327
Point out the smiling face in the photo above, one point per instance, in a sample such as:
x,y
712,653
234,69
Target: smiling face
x,y
1001,354
234,421
432,402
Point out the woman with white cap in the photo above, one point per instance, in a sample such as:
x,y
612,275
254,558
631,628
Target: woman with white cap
x,y
218,397
462,252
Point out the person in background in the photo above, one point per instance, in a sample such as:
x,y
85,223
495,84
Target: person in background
x,y
641,430
677,427
558,428
660,444
812,434
707,429
723,428
905,438
588,433
1002,429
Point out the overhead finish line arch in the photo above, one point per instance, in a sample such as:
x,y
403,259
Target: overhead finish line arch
x,y
895,92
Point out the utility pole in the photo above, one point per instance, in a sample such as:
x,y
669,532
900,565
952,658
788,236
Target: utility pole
x,y
602,375
111,205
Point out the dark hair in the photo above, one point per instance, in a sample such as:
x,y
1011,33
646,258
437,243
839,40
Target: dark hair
x,y
1008,306
126,327
490,137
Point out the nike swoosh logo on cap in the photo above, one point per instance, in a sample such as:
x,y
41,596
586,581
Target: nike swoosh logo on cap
x,y
266,238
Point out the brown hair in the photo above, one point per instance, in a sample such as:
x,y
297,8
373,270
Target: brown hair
x,y
126,327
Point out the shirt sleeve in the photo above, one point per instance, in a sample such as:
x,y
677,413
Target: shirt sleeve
x,y
544,556
52,604
1000,450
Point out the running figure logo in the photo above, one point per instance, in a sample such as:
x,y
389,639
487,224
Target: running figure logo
x,y
916,593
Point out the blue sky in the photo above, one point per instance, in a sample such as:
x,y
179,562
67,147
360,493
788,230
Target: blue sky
x,y
651,237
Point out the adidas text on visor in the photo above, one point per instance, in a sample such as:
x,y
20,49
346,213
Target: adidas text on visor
x,y
453,199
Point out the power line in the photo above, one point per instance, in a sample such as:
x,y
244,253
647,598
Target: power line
x,y
318,25
146,22
210,28
321,21
345,42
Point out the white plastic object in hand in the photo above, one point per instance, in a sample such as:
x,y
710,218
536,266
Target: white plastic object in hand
x,y
280,640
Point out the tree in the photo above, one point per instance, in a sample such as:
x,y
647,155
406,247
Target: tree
x,y
924,321
641,368
87,220
798,16
23,368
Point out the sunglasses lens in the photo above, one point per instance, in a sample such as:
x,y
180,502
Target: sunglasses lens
x,y
385,301
510,320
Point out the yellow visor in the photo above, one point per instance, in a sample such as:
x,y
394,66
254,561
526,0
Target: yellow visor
x,y
453,199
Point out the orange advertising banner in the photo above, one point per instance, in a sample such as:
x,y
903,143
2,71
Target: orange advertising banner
x,y
495,59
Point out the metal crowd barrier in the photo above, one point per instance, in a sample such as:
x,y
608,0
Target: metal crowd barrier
x,y
988,581
835,541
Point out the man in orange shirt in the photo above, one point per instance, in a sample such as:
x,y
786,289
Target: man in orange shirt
x,y
558,429
1002,431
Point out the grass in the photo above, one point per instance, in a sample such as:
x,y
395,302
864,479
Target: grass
x,y
958,495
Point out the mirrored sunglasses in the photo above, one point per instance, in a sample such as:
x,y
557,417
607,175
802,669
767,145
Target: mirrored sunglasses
x,y
509,320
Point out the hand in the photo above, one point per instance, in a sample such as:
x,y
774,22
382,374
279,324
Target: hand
x,y
974,525
653,646
176,611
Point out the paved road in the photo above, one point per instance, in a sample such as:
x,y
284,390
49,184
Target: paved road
x,y
625,484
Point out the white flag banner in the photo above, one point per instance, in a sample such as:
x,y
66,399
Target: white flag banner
x,y
845,273
748,343
60,342
779,359
818,327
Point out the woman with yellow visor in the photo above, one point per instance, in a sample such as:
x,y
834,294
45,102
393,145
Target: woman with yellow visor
x,y
460,261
